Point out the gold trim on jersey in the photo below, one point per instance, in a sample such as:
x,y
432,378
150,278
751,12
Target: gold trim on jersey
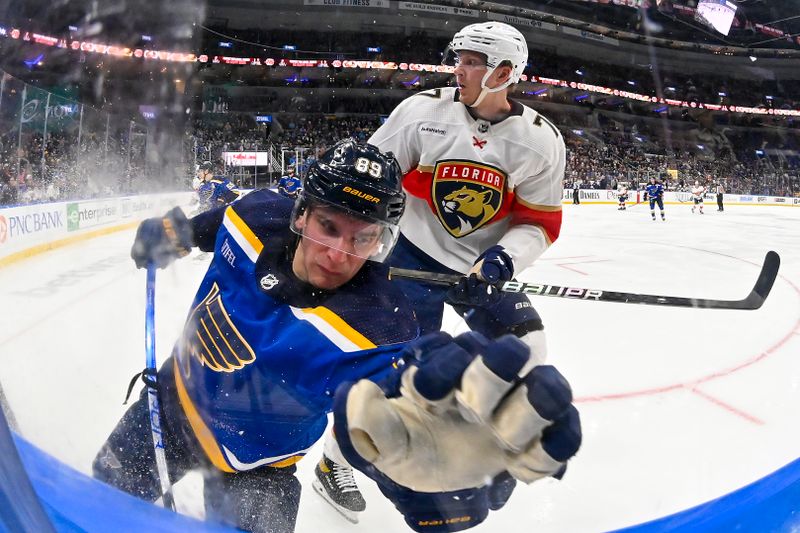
x,y
339,332
201,431
242,234
544,232
222,348
538,207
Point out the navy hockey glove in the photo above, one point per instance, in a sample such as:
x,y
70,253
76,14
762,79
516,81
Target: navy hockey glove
x,y
494,265
472,291
493,313
517,418
162,240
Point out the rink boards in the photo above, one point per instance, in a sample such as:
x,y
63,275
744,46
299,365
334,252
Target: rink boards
x,y
608,196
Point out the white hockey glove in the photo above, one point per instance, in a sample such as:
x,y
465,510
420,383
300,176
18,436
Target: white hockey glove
x,y
464,412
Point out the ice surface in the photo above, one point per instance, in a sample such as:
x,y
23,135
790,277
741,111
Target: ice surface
x,y
678,405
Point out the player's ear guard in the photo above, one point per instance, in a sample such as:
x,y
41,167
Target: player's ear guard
x,y
161,240
465,410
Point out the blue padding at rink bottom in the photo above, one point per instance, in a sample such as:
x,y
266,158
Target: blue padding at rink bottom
x,y
75,502
768,505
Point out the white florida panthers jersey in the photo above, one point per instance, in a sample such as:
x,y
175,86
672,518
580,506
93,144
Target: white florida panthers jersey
x,y
472,184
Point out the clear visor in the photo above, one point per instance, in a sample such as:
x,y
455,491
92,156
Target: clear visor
x,y
338,228
453,58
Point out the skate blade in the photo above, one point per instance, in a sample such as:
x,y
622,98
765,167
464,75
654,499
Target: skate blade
x,y
350,516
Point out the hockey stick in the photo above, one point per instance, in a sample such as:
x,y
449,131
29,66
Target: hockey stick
x,y
754,300
149,377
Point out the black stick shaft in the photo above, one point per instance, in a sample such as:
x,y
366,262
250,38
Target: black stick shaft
x,y
754,300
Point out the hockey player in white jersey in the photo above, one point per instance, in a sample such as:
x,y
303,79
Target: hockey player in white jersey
x,y
483,176
698,191
622,195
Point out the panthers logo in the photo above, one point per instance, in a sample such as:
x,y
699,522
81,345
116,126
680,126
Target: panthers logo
x,y
466,195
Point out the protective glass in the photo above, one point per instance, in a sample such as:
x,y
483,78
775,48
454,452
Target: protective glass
x,y
342,230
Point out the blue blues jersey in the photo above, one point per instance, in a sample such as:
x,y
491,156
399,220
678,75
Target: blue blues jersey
x,y
262,352
289,186
217,191
654,190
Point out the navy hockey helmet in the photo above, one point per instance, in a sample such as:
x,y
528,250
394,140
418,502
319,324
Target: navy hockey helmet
x,y
362,181
206,165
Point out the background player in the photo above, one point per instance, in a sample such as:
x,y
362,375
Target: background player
x,y
246,403
655,193
622,195
215,190
698,191
194,203
289,185
484,175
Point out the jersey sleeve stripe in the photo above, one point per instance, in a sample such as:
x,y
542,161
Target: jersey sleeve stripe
x,y
242,234
548,221
334,328
418,183
201,431
538,207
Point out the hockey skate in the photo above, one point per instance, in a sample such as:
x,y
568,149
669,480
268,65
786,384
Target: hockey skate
x,y
336,484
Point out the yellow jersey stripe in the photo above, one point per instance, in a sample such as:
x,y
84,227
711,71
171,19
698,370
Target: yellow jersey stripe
x,y
242,234
204,435
334,328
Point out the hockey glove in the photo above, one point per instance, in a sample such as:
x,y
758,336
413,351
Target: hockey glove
x,y
162,240
466,416
493,313
494,265
472,291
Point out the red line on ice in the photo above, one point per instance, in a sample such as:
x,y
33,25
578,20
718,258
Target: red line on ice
x,y
728,407
692,384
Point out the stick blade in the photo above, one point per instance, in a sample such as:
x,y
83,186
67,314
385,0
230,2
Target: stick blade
x,y
765,281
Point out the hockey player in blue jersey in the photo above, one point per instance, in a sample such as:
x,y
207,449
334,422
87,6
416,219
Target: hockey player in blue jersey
x,y
655,193
214,190
295,313
289,185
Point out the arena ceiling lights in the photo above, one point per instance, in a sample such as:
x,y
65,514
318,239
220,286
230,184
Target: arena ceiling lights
x,y
183,57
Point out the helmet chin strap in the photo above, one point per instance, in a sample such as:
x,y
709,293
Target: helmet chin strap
x,y
486,90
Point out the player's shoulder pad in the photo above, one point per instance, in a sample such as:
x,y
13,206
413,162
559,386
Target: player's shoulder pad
x,y
534,130
375,307
264,211
424,100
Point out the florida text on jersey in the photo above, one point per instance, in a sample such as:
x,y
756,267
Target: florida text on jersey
x,y
471,183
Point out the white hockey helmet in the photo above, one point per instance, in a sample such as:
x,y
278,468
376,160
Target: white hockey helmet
x,y
498,41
